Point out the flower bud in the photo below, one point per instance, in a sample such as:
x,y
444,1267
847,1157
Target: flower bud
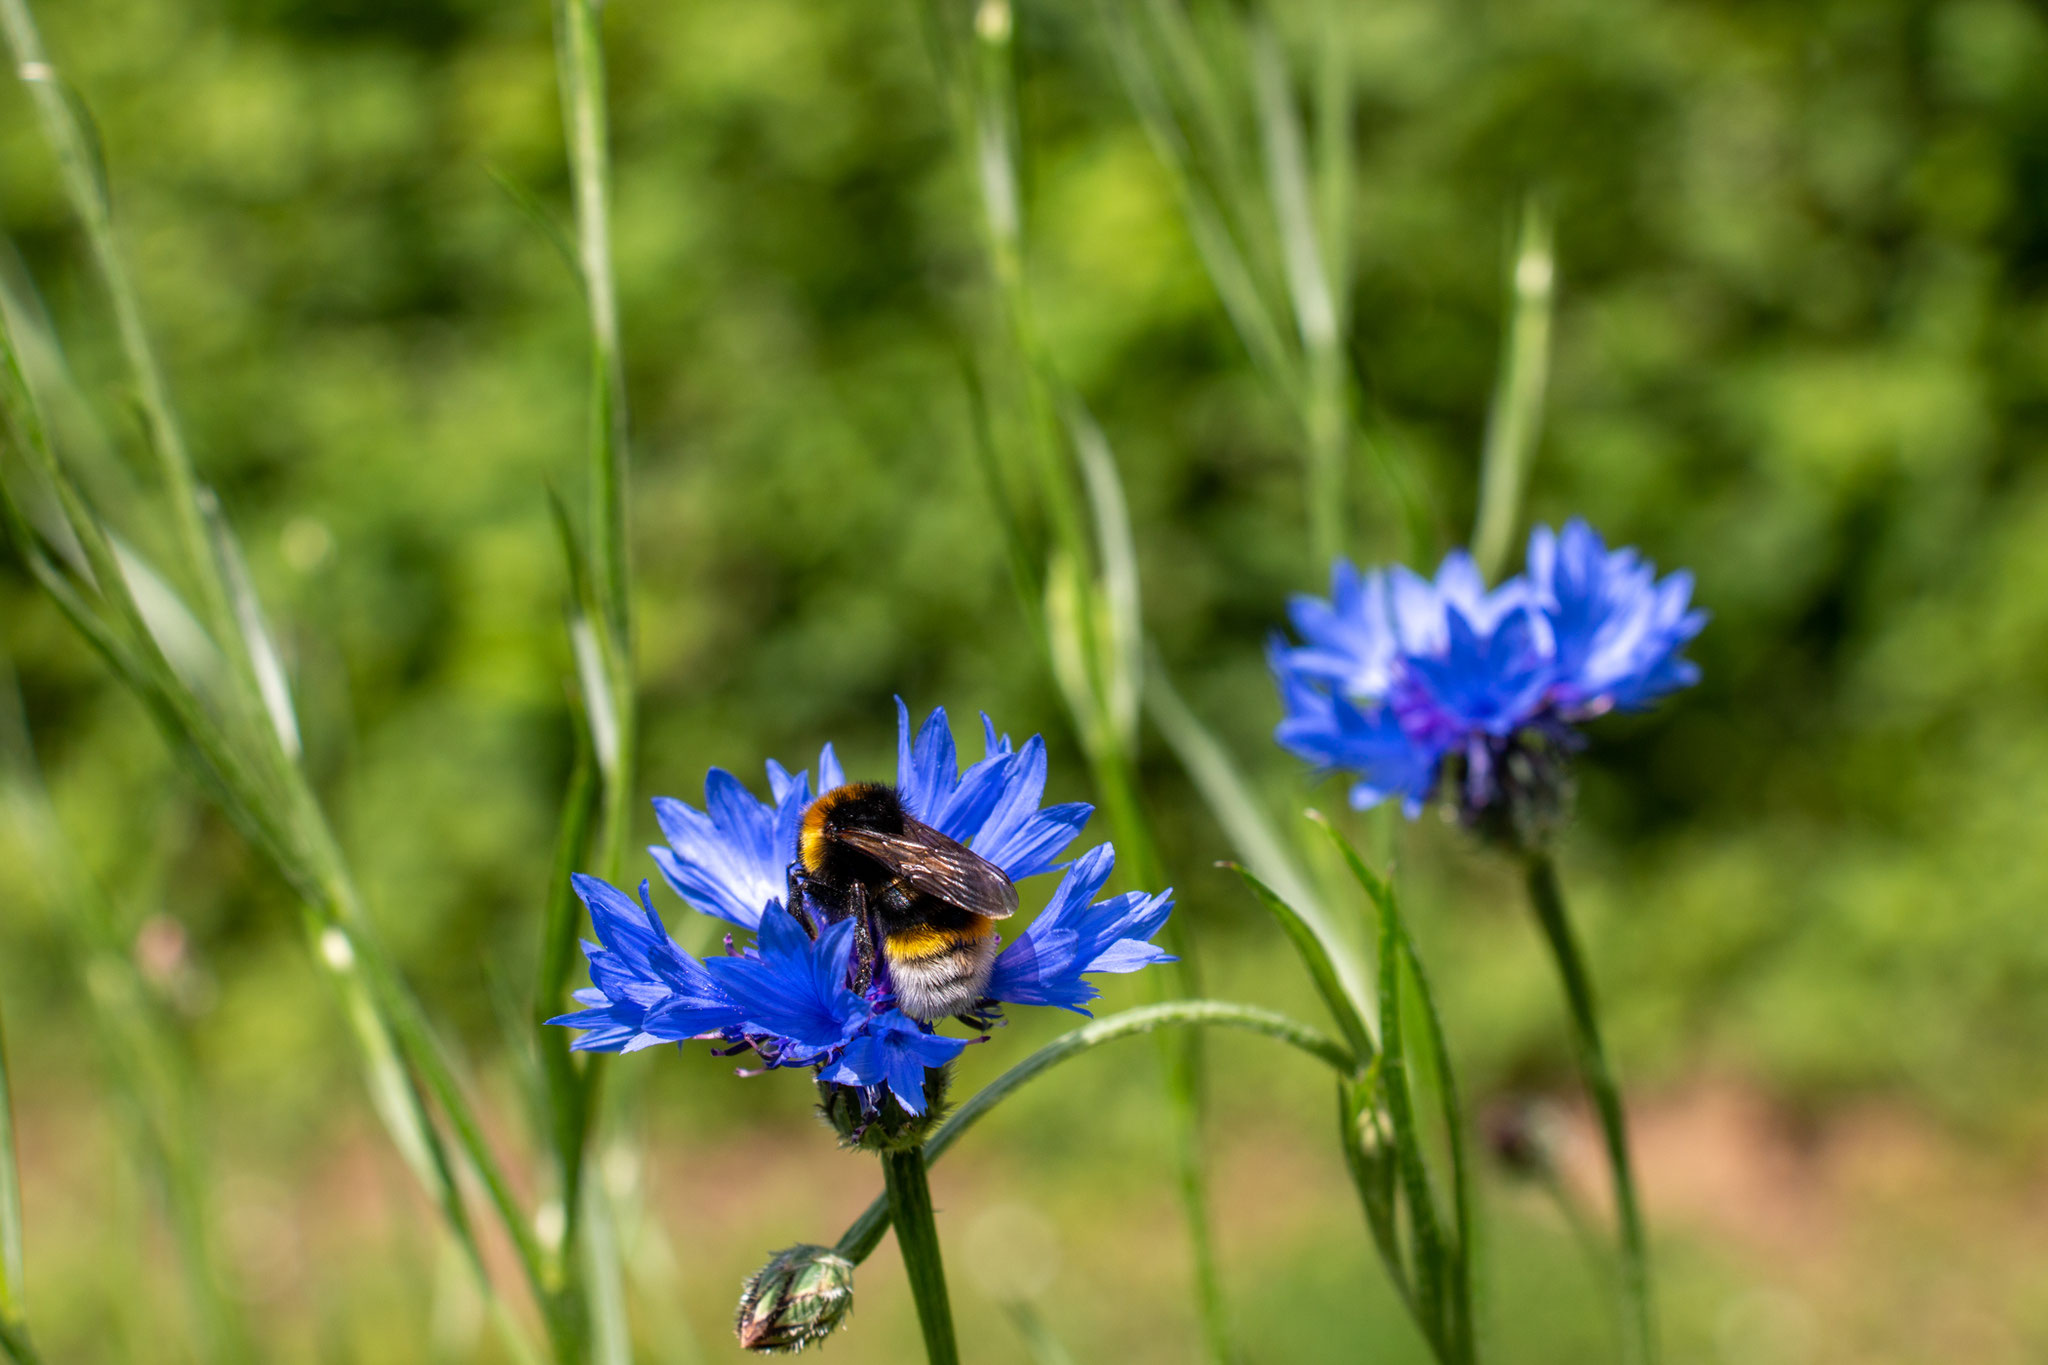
x,y
800,1296
1516,793
869,1119
1525,1136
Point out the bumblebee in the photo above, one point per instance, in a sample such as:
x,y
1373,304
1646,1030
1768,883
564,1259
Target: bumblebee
x,y
928,902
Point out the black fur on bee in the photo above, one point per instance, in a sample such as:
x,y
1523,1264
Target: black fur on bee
x,y
923,903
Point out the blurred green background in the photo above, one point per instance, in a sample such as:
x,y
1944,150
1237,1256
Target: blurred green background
x,y
1802,348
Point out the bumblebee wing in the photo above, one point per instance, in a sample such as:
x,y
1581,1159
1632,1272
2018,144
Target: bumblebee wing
x,y
938,866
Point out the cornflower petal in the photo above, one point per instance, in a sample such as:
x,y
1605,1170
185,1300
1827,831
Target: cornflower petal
x,y
1070,938
795,990
725,859
927,769
1618,630
645,989
895,1052
1017,836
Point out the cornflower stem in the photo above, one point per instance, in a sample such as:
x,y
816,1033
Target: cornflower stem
x,y
917,1234
865,1233
1546,897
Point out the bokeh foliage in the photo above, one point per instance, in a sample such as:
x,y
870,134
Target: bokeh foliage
x,y
1802,347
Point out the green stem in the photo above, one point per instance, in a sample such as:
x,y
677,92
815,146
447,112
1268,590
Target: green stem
x,y
14,1344
1547,898
1516,417
910,1201
866,1231
11,1258
84,184
572,1090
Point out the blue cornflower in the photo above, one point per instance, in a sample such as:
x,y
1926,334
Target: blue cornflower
x,y
1070,937
791,998
1399,678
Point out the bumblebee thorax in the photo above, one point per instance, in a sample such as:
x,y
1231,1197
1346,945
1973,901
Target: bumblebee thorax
x,y
857,805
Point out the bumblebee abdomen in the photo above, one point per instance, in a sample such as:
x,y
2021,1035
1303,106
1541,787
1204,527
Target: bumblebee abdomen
x,y
939,971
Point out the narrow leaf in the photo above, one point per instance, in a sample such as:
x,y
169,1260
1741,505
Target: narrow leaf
x,y
1516,417
1315,956
1040,1343
1217,777
1123,664
265,664
543,222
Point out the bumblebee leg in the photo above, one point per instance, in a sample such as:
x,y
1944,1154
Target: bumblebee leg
x,y
863,938
793,897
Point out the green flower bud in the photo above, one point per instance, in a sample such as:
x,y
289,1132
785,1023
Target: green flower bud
x,y
872,1124
800,1296
1526,1136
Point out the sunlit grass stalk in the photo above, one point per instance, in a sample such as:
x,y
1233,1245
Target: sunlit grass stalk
x,y
1515,419
252,766
866,1232
151,1076
602,637
1546,898
78,161
1166,68
13,1314
1317,317
1224,789
1213,191
917,1235
1189,98
1089,611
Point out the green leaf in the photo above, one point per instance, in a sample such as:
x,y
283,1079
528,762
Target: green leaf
x,y
266,666
1444,1269
1224,790
1316,957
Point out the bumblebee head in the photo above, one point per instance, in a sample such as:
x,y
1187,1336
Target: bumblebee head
x,y
857,805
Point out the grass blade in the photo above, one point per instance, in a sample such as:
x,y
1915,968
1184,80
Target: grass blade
x,y
1287,185
601,634
1122,645
1321,969
1428,1251
1229,798
1367,1158
12,1258
611,1335
67,130
264,662
1516,417
1444,1269
1229,269
1325,411
579,56
1039,1342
